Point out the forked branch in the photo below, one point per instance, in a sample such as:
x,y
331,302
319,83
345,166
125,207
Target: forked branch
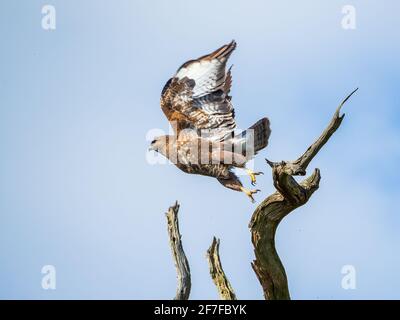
x,y
289,196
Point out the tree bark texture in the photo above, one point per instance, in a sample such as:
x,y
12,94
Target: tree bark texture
x,y
289,195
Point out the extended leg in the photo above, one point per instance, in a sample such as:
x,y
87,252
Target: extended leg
x,y
253,175
249,193
233,182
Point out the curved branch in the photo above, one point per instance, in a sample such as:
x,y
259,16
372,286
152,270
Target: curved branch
x,y
181,262
222,283
299,166
289,196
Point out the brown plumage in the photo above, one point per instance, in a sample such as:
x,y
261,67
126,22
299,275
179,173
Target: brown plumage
x,y
196,102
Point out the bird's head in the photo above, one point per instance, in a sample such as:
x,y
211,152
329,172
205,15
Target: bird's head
x,y
159,144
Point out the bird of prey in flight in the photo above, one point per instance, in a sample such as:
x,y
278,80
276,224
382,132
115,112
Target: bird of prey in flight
x,y
197,103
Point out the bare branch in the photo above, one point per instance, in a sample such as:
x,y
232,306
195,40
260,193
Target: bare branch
x,y
299,166
181,262
289,196
225,289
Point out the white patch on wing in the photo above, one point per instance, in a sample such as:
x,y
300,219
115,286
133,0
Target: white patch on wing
x,y
208,76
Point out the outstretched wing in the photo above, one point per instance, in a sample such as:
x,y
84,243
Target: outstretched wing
x,y
197,97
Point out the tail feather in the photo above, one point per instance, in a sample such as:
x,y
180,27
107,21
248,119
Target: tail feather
x,y
262,131
252,140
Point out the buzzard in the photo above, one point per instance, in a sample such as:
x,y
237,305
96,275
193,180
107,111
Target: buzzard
x,y
197,103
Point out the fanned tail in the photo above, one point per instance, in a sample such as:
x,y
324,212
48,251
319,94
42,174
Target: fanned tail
x,y
252,140
262,131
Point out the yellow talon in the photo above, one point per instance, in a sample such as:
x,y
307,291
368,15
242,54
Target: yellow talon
x,y
249,193
253,175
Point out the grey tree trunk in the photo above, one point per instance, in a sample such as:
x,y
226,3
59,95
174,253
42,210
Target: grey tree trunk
x,y
181,262
289,196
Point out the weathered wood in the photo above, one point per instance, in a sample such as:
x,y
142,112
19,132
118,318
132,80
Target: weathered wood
x,y
222,283
289,196
181,262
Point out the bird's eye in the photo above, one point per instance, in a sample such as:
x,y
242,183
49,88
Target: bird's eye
x,y
154,141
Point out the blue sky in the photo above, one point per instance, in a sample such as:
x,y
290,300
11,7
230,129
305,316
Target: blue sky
x,y
76,103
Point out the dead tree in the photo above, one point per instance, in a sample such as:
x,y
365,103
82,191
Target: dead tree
x,y
222,283
263,225
289,195
218,276
181,262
